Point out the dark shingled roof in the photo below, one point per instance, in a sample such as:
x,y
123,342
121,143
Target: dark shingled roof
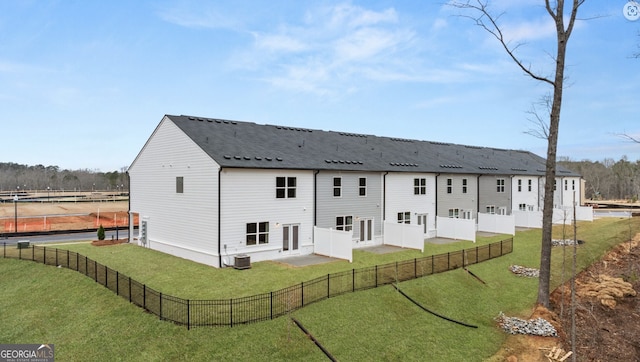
x,y
249,145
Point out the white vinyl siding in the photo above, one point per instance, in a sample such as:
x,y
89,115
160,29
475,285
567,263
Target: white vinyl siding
x,y
169,154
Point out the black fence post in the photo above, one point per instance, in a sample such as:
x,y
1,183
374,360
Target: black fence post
x,y
353,280
68,259
188,316
433,264
376,275
129,289
117,283
328,286
271,301
4,250
56,249
160,306
95,271
448,260
33,253
477,254
415,268
106,277
302,294
144,296
231,312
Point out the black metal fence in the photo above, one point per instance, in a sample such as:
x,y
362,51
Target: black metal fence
x,y
260,307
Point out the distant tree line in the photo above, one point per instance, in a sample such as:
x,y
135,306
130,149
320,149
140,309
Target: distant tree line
x,y
17,177
608,179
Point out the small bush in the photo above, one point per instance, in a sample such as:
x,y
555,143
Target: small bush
x,y
101,233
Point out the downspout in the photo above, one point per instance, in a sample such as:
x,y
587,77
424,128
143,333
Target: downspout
x,y
219,221
510,205
315,198
384,196
478,196
435,217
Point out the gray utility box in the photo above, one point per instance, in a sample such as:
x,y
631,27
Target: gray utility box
x,y
23,244
242,262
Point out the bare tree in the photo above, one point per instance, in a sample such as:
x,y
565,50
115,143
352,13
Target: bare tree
x,y
489,22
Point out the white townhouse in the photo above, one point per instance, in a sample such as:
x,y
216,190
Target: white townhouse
x,y
210,190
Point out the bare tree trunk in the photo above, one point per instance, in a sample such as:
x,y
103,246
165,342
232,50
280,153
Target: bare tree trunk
x,y
488,22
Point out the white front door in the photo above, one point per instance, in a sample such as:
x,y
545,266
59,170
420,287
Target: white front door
x,y
290,238
366,230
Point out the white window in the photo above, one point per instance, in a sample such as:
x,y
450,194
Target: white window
x,y
566,185
419,186
344,223
500,185
404,217
573,185
285,187
522,207
491,209
454,213
362,186
257,233
337,187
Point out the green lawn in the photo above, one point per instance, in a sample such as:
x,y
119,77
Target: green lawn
x,y
85,321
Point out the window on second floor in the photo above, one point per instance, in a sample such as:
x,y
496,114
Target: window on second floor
x,y
464,185
337,187
419,186
519,185
529,184
362,186
179,185
500,185
566,185
449,185
285,187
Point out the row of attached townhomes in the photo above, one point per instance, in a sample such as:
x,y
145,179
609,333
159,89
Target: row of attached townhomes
x,y
214,191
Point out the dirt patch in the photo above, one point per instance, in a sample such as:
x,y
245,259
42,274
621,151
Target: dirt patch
x,y
33,217
108,242
606,317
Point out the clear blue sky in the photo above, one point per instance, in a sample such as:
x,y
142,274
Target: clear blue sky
x,y
85,83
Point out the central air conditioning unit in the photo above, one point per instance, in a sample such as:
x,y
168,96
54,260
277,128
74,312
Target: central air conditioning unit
x,y
242,262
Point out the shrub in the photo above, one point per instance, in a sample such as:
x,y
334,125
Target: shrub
x,y
101,232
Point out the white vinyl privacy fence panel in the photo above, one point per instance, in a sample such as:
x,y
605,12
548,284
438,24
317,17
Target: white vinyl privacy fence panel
x,y
404,235
499,224
528,219
459,229
333,243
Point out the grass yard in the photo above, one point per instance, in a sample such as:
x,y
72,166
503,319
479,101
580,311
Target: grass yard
x,y
85,321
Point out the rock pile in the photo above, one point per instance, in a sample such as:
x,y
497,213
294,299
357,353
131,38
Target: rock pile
x,y
524,271
565,242
534,327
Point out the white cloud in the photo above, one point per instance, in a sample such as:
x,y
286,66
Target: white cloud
x,y
196,18
279,43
